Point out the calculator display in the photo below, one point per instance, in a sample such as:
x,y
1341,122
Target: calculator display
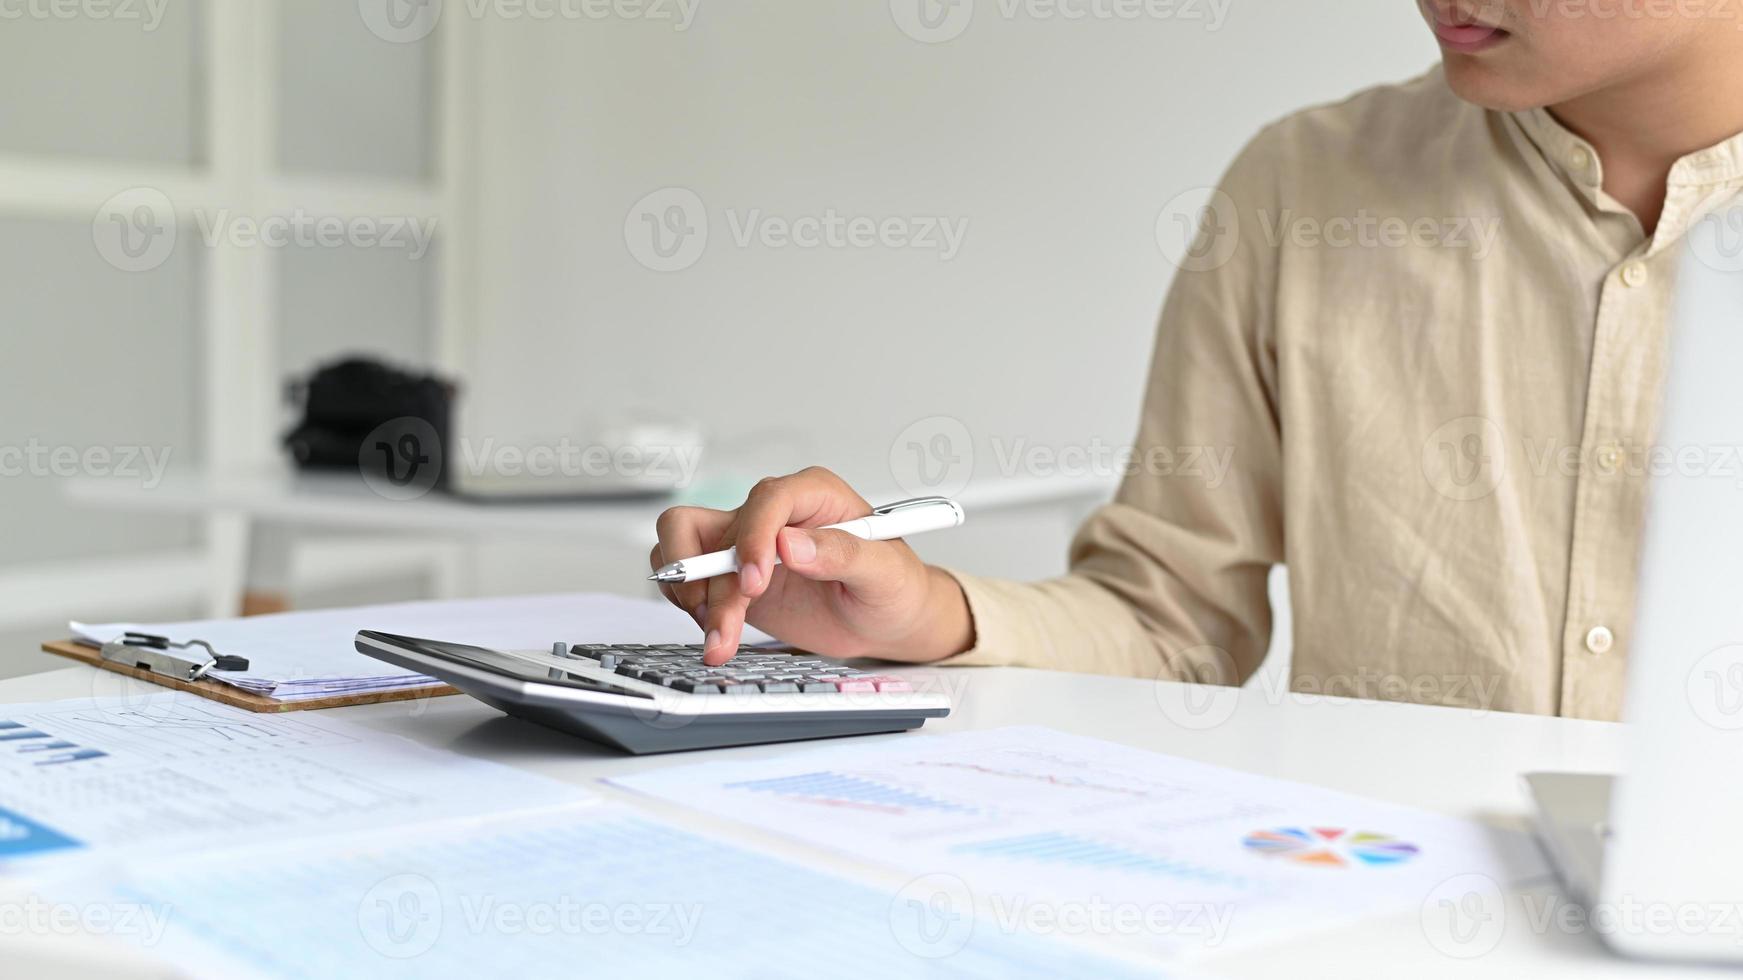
x,y
500,663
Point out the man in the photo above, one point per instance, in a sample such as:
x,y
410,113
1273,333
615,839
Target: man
x,y
1429,323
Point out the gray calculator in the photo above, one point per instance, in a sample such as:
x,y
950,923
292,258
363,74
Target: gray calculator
x,y
660,697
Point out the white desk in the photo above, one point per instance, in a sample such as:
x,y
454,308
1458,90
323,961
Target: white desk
x,y
1454,761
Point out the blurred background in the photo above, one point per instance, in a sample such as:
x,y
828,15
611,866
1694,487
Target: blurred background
x,y
922,242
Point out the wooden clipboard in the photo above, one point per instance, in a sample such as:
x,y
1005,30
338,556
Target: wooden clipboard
x,y
235,696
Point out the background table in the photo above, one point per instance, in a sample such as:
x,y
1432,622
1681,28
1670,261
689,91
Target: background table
x,y
253,516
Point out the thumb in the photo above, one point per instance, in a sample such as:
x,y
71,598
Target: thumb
x,y
869,568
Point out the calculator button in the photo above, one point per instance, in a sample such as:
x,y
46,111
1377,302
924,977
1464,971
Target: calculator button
x,y
692,686
855,685
780,687
817,687
742,687
891,685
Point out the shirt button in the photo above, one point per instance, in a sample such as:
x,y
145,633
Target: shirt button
x,y
1581,159
1600,640
1610,457
1634,275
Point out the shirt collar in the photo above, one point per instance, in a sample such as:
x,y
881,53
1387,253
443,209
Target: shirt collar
x,y
1578,161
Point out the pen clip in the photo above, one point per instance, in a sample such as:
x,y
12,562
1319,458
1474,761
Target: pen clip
x,y
916,502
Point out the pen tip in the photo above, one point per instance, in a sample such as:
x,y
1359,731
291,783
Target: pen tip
x,y
654,577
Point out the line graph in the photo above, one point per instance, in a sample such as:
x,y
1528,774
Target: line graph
x,y
1052,779
839,789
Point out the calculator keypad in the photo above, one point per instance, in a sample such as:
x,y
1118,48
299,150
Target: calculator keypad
x,y
679,666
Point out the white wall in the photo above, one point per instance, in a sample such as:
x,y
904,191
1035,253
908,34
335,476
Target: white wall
x,y
1058,142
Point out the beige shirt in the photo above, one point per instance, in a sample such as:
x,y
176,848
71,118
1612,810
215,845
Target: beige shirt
x,y
1434,347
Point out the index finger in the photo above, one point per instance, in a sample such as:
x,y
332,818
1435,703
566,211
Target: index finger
x,y
809,498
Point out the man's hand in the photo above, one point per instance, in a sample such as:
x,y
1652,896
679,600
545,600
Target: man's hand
x,y
832,594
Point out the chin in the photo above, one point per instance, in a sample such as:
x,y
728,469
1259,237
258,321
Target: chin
x,y
1488,83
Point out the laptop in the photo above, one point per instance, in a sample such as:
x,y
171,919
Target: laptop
x,y
1657,851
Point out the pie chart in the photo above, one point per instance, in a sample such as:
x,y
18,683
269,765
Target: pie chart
x,y
1330,847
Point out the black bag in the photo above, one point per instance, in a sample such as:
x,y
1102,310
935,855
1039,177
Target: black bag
x,y
361,414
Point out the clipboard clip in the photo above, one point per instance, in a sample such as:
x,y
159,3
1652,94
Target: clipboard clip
x,y
149,652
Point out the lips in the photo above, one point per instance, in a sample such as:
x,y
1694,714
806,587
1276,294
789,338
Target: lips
x,y
1460,30
1469,38
1464,33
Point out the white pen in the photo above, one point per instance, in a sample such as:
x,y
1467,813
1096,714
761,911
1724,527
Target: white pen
x,y
897,520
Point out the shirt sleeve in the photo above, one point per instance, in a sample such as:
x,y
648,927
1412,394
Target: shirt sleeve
x,y
1169,581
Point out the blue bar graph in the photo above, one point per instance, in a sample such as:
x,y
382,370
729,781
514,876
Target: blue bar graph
x,y
1053,847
